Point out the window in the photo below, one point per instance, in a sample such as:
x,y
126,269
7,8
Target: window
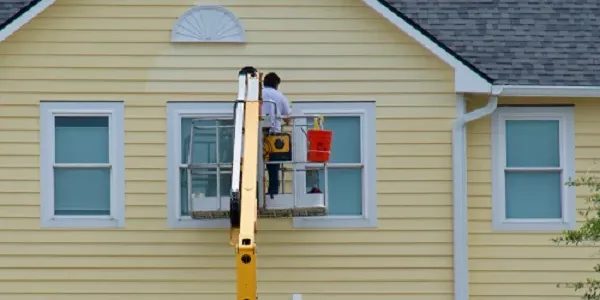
x,y
533,157
351,183
82,169
353,162
210,144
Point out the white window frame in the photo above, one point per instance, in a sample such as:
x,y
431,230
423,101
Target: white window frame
x,y
563,114
366,112
175,112
115,112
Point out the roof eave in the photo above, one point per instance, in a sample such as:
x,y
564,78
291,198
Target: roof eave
x,y
467,79
23,17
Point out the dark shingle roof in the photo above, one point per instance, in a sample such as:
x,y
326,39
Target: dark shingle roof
x,y
11,9
526,42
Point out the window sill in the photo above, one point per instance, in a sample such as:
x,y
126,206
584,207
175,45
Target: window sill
x,y
533,225
298,222
340,222
81,222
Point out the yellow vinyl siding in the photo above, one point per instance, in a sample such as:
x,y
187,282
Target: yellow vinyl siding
x,y
525,265
325,50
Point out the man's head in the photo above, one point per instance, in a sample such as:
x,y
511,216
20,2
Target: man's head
x,y
249,70
271,80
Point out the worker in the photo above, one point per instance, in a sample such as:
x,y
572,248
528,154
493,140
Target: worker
x,y
276,113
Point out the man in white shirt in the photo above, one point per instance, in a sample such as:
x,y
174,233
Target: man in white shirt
x,y
270,92
276,112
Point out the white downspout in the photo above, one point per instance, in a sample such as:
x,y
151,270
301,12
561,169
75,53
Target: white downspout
x,y
459,182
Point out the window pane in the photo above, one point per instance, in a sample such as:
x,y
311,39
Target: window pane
x,y
203,183
205,139
81,139
533,195
82,191
345,147
532,143
344,189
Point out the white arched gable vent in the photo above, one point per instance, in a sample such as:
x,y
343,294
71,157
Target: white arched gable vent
x,y
208,24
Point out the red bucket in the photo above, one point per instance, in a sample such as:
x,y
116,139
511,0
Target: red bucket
x,y
319,145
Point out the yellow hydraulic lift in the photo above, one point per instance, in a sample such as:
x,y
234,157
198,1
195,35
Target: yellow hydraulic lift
x,y
249,158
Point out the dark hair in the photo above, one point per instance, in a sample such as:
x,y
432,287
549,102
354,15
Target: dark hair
x,y
248,70
271,80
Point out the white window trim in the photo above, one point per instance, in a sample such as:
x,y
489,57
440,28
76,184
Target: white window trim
x,y
366,112
115,112
175,112
567,161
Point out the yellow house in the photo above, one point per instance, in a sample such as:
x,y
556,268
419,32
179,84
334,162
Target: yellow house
x,y
454,130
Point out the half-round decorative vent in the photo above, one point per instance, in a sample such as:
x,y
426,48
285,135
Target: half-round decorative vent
x,y
208,23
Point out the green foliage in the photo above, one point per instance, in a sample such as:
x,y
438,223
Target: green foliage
x,y
588,233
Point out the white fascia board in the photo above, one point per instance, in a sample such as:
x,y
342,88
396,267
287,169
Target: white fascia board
x,y
550,91
465,79
24,18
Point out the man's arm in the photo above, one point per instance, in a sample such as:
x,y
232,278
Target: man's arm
x,y
286,110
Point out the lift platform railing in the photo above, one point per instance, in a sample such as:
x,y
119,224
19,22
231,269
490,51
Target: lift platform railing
x,y
298,203
203,205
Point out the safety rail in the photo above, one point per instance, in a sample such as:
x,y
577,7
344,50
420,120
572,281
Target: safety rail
x,y
215,205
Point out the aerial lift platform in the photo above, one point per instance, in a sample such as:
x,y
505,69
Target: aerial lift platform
x,y
253,148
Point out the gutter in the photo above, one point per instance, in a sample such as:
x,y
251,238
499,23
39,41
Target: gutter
x,y
550,91
459,183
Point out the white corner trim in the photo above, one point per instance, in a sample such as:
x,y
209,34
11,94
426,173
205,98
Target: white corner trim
x,y
565,115
175,111
24,18
465,79
115,112
366,111
208,24
550,91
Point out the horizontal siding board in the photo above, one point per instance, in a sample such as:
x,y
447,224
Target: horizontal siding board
x,y
218,275
553,265
221,296
267,262
174,61
331,37
160,24
381,290
173,288
424,103
273,11
320,88
271,237
223,249
185,4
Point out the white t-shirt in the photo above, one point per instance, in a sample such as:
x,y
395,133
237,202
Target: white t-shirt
x,y
268,108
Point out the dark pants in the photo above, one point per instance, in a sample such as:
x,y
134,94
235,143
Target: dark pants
x,y
273,170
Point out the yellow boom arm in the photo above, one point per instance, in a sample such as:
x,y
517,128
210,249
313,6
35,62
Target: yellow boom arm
x,y
244,204
244,182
